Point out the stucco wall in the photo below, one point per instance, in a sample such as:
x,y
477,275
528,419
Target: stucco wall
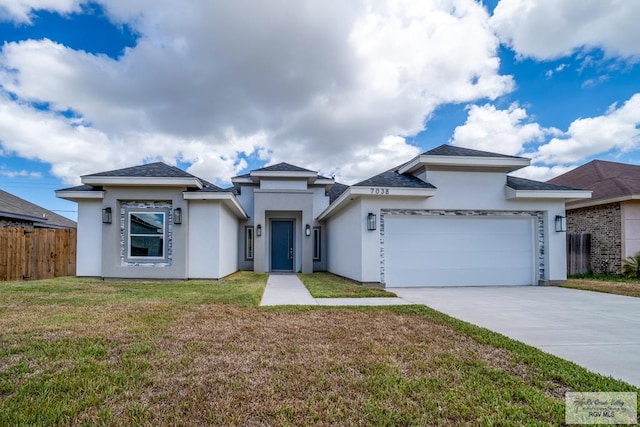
x,y
227,242
204,239
604,223
630,212
112,264
89,243
344,242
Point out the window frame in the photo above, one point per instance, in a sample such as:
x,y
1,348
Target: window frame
x,y
317,243
249,236
162,237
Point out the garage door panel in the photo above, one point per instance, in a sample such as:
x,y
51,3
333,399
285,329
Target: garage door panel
x,y
458,251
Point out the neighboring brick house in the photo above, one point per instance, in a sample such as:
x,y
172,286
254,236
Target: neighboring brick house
x,y
611,216
16,212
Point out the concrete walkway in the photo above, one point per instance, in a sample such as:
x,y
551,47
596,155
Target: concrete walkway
x,y
598,331
287,289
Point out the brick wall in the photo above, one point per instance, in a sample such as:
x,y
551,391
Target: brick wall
x,y
14,223
604,223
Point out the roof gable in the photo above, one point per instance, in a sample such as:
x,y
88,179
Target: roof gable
x,y
282,167
392,178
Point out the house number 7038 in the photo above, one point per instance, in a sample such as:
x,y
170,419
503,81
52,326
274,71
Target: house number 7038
x,y
380,191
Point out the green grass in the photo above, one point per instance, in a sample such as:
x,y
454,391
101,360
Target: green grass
x,y
606,278
327,285
91,352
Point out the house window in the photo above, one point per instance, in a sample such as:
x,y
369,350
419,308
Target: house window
x,y
317,248
248,243
147,234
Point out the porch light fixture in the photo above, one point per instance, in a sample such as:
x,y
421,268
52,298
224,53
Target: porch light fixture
x,y
177,216
561,223
307,230
259,230
371,221
106,216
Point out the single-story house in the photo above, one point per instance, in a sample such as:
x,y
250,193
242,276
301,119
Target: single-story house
x,y
611,216
16,212
450,216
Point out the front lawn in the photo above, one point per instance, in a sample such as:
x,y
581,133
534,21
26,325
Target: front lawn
x,y
327,285
607,284
90,352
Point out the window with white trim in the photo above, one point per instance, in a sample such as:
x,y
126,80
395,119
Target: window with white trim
x,y
248,243
147,234
317,243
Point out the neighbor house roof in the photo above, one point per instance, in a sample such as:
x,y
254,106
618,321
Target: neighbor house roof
x,y
609,181
16,208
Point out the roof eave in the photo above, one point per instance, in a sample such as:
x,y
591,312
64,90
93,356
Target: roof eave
x,y
21,217
504,164
576,204
78,195
513,194
226,197
142,181
370,192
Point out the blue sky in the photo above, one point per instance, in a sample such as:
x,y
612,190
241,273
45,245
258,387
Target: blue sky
x,y
347,88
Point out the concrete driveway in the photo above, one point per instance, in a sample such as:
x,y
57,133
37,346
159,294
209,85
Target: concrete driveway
x,y
600,332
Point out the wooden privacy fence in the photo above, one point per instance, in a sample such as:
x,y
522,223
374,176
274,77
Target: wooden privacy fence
x,y
40,253
578,253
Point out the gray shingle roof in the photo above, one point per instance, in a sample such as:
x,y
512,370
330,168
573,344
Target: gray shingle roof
x,y
392,178
282,167
527,184
336,191
14,207
150,170
450,150
207,187
83,187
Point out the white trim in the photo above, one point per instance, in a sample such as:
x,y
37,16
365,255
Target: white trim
x,y
227,198
588,203
362,191
162,237
73,195
503,163
546,194
142,181
242,180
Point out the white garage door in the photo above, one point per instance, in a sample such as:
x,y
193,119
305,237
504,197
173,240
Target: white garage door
x,y
458,251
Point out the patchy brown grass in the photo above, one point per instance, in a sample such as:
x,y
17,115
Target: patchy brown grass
x,y
611,287
203,354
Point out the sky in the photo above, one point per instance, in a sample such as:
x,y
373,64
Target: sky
x,y
349,89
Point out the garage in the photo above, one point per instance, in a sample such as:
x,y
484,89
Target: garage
x,y
458,250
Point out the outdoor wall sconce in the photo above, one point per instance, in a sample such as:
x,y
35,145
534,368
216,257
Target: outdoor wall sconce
x,y
561,223
371,221
106,216
307,230
259,230
177,216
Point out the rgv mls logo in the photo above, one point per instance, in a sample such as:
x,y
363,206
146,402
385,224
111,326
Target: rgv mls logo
x,y
601,408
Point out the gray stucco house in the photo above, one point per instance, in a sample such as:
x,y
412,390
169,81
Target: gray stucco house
x,y
450,216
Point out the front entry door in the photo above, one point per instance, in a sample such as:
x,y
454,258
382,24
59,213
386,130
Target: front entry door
x,y
282,245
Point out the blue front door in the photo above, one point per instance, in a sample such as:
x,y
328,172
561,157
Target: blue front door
x,y
282,245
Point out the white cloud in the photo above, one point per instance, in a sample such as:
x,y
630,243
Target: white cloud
x,y
547,29
10,173
19,11
618,129
314,83
501,131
